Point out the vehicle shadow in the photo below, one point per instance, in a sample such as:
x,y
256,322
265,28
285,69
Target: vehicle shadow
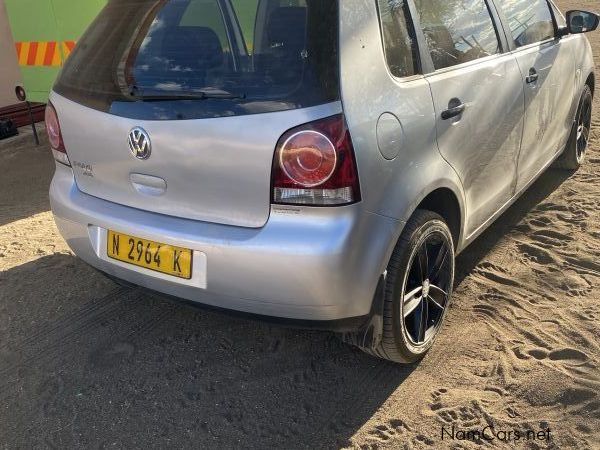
x,y
536,194
26,174
84,363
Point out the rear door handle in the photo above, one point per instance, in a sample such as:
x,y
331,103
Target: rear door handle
x,y
455,108
532,77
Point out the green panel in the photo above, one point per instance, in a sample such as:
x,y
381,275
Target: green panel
x,y
51,20
31,20
73,18
38,81
48,20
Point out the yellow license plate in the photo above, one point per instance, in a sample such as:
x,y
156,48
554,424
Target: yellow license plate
x,y
175,261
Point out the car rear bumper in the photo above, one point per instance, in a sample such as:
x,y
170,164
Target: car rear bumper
x,y
306,264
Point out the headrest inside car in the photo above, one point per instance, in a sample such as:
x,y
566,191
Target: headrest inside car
x,y
194,47
287,27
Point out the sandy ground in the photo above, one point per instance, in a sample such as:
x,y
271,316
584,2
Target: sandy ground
x,y
85,363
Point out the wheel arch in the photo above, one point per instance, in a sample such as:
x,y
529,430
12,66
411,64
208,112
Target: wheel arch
x,y
444,196
445,202
591,81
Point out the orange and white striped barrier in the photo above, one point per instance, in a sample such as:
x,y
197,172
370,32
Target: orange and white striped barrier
x,y
40,54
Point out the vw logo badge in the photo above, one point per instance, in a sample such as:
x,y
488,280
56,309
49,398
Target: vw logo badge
x,y
139,143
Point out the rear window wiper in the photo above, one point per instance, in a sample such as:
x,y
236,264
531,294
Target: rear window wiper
x,y
194,95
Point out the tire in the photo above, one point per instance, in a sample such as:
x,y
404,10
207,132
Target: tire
x,y
574,154
401,340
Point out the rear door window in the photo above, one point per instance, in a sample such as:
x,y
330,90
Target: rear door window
x,y
215,57
457,31
398,37
530,21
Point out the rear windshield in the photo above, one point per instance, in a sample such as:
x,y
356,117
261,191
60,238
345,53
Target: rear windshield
x,y
184,59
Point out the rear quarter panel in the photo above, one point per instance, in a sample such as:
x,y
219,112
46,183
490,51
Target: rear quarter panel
x,y
392,188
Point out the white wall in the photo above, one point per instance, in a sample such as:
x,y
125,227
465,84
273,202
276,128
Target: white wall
x,y
9,68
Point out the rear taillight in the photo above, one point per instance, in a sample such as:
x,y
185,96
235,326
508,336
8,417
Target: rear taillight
x,y
55,136
314,165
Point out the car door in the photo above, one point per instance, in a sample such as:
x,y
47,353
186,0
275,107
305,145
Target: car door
x,y
478,96
548,72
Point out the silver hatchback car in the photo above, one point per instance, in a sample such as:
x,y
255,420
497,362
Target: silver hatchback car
x,y
318,162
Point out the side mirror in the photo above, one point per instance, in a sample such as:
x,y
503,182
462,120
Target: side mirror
x,y
582,21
